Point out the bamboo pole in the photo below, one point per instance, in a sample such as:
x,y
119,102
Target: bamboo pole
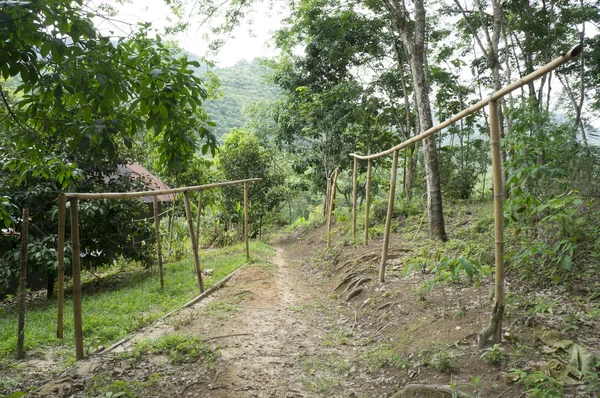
x,y
354,196
158,248
22,284
368,201
188,212
76,265
572,53
246,221
330,206
62,207
126,195
327,195
498,213
199,214
388,220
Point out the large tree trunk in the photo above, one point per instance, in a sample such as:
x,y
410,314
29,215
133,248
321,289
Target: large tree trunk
x,y
412,34
434,194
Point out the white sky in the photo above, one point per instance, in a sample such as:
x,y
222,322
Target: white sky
x,y
242,44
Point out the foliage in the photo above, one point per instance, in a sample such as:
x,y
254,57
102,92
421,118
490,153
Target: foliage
x,y
242,157
108,229
493,355
548,185
81,108
538,384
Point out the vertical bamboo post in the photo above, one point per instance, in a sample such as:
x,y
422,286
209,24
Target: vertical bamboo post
x,y
327,196
368,201
188,212
388,220
199,215
158,248
246,221
498,216
333,180
62,210
76,265
22,284
354,196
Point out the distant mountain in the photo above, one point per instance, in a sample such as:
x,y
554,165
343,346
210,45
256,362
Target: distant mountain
x,y
242,84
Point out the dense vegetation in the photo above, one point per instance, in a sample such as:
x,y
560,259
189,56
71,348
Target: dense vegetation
x,y
241,86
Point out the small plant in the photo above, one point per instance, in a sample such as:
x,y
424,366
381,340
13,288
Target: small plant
x,y
493,355
383,356
538,384
442,362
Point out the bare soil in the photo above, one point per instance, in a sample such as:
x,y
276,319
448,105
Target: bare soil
x,y
303,328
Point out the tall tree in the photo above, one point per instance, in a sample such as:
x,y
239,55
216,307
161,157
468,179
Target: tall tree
x,y
412,32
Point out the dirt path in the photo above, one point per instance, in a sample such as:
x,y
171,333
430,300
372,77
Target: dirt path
x,y
271,328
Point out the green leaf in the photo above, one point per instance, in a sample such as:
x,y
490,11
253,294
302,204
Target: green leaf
x,y
83,144
566,262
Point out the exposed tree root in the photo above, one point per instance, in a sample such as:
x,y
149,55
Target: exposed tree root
x,y
354,293
357,283
495,320
347,279
428,390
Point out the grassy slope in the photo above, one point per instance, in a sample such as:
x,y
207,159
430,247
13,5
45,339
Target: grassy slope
x,y
125,302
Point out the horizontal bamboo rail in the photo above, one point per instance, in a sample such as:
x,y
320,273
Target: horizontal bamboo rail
x,y
572,53
128,195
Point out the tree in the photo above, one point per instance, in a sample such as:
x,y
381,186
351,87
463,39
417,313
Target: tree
x,y
242,157
82,106
413,33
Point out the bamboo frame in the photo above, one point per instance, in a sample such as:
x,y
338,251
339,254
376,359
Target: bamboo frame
x,y
76,260
572,53
388,220
188,213
331,200
62,210
76,265
158,248
492,102
246,221
23,284
498,212
354,196
368,201
127,195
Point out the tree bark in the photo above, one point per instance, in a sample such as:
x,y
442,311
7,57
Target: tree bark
x,y
412,34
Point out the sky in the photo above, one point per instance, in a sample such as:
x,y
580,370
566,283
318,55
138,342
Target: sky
x,y
242,44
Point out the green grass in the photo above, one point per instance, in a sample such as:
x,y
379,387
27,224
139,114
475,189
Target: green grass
x,y
113,312
179,348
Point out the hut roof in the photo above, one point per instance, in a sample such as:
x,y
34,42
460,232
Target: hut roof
x,y
154,184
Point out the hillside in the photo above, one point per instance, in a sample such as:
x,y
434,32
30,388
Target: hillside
x,y
241,84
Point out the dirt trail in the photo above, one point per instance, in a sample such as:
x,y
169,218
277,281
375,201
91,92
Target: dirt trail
x,y
271,329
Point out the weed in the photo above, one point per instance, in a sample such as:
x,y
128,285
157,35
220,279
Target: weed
x,y
383,356
493,355
442,362
220,309
178,347
336,338
102,388
538,384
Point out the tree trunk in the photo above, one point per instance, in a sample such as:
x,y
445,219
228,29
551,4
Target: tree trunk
x,y
412,34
